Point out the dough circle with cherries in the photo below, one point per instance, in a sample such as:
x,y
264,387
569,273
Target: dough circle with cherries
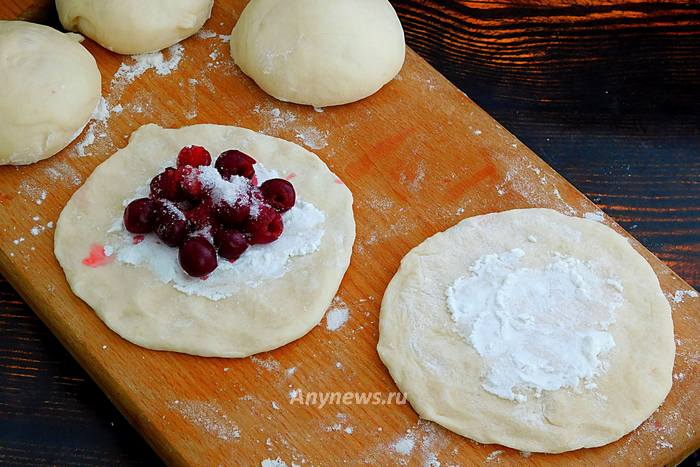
x,y
49,88
134,26
134,302
531,329
319,52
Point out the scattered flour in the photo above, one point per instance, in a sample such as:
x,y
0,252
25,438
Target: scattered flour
x,y
312,137
62,172
404,446
663,444
209,34
270,364
594,216
680,294
273,463
274,118
209,417
337,315
494,456
156,61
431,460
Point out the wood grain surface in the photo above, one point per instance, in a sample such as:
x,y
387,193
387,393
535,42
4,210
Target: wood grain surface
x,y
607,92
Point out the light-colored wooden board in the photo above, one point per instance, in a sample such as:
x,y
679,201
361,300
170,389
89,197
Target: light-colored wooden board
x,y
418,156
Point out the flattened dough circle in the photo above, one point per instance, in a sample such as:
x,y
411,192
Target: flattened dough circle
x,y
143,310
440,371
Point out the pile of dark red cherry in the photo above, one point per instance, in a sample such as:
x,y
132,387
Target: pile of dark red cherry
x,y
184,211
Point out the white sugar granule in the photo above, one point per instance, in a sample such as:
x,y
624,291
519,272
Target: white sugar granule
x,y
337,315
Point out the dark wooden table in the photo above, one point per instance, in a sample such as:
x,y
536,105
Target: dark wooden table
x,y
606,91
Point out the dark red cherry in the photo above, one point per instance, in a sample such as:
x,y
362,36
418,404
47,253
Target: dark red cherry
x,y
200,217
194,156
279,194
140,216
191,184
198,257
266,227
232,214
232,244
171,226
166,185
235,162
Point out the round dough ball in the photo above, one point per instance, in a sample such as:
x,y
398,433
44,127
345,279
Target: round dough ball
x,y
134,26
436,363
319,52
49,88
141,308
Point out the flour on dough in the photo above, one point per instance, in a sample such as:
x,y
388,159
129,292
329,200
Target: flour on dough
x,y
530,329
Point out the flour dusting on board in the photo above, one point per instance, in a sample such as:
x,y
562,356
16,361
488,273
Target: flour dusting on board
x,y
274,118
269,364
541,192
312,137
155,61
337,315
494,456
209,417
679,295
278,462
404,445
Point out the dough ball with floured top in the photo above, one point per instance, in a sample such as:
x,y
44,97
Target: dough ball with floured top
x,y
49,87
319,52
134,26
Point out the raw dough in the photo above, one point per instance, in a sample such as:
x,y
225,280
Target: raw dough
x,y
443,375
134,26
319,52
144,310
49,88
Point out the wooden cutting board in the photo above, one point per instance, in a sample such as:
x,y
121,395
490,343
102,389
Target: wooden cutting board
x,y
418,156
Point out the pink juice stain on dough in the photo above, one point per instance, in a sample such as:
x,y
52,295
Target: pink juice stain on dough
x,y
97,257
